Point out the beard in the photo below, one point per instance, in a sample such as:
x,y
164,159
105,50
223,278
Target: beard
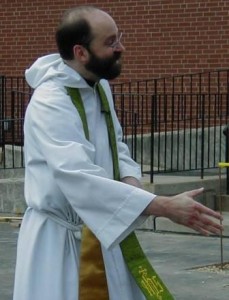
x,y
105,68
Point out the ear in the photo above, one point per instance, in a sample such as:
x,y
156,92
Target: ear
x,y
80,53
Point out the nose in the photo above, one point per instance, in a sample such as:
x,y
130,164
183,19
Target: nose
x,y
119,47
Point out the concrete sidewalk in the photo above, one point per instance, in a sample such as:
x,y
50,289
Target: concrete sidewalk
x,y
174,256
8,242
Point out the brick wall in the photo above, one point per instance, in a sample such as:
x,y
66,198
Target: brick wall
x,y
161,37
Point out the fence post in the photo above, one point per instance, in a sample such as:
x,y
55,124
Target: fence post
x,y
202,99
226,133
2,103
153,124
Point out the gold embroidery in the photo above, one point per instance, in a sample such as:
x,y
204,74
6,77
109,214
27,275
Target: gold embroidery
x,y
151,284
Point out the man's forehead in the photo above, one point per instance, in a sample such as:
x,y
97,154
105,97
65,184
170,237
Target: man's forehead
x,y
101,23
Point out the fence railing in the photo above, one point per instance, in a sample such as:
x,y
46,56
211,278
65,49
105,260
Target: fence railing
x,y
205,82
170,124
14,97
174,133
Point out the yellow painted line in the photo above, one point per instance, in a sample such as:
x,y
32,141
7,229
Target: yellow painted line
x,y
223,164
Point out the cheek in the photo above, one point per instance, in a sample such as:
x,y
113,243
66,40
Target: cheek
x,y
104,52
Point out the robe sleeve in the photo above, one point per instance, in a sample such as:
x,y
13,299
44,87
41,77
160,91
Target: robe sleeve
x,y
127,166
110,209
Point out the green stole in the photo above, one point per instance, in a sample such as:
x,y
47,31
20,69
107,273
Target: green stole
x,y
139,266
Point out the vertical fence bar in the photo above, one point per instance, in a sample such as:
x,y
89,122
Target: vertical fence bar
x,y
3,101
202,135
12,138
166,127
154,101
226,133
1,117
142,129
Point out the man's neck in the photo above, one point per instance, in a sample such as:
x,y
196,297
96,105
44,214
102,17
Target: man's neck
x,y
90,82
89,77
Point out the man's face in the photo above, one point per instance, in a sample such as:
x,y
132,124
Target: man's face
x,y
105,49
107,67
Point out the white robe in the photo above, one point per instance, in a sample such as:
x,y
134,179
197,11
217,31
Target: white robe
x,y
71,179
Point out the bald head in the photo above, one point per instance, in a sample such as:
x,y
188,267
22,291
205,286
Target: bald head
x,y
77,13
79,26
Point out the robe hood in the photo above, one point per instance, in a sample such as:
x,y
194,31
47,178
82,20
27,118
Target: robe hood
x,y
53,67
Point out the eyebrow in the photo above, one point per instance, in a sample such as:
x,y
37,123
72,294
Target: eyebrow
x,y
113,36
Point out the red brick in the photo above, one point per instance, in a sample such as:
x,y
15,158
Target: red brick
x,y
161,37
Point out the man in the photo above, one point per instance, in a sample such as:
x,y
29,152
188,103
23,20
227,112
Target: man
x,y
69,179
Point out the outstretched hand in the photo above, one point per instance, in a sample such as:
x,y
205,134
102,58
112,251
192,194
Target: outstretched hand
x,y
184,210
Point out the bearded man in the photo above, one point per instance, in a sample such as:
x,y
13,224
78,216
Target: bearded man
x,y
79,174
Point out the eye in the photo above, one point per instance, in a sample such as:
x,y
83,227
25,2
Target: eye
x,y
109,42
113,41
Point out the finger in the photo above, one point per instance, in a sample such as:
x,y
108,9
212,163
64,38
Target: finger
x,y
202,231
206,229
210,223
207,226
194,193
214,230
199,229
207,211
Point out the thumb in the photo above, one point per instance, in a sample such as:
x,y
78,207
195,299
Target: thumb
x,y
194,193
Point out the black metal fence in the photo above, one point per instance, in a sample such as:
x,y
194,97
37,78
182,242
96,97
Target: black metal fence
x,y
175,124
170,124
14,97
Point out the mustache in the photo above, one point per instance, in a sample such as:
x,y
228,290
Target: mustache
x,y
117,55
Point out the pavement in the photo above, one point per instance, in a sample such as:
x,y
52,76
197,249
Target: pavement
x,y
177,258
176,254
8,242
